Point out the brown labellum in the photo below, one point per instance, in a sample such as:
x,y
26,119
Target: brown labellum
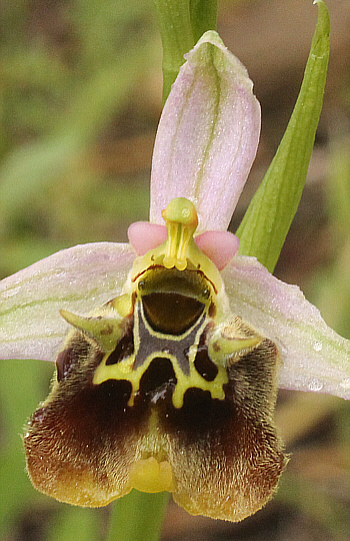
x,y
162,389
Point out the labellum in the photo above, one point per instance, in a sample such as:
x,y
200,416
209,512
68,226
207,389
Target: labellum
x,y
162,388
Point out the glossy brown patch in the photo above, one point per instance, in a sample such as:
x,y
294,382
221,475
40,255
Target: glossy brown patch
x,y
171,313
70,356
191,283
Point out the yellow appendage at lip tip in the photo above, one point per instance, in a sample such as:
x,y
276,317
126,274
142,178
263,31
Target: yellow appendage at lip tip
x,y
149,475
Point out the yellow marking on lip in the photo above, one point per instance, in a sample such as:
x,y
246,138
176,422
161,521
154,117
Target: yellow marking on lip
x,y
149,475
124,370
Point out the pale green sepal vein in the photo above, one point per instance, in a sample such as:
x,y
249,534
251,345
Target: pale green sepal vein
x,y
270,214
207,136
78,279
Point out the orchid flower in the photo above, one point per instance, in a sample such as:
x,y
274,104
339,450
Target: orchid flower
x,y
169,350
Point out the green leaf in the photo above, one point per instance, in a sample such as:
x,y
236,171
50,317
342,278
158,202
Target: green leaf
x,y
22,385
270,214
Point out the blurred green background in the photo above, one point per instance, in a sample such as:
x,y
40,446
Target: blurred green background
x,y
80,98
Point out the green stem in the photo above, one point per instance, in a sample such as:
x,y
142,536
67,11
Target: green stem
x,y
138,517
203,16
177,37
181,23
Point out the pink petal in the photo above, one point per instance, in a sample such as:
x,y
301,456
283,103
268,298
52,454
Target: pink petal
x,y
144,236
315,358
219,246
78,279
207,136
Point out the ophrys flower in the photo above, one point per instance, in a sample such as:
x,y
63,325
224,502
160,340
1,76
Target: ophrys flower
x,y
169,382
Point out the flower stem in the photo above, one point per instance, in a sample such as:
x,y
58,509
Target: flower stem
x,y
203,16
138,516
181,23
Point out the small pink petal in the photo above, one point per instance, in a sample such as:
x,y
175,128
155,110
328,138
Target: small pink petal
x,y
207,136
219,246
144,236
78,279
314,357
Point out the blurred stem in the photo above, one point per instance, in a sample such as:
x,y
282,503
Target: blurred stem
x,y
138,517
338,189
181,23
331,290
266,223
